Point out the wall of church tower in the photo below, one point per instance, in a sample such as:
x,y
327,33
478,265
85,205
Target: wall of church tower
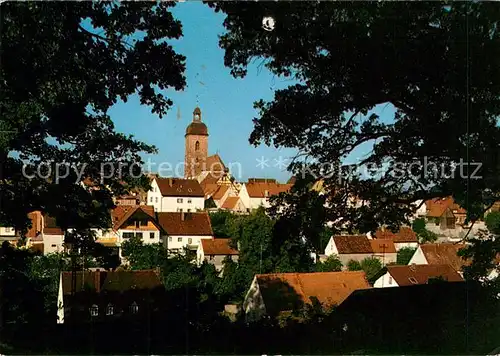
x,y
196,152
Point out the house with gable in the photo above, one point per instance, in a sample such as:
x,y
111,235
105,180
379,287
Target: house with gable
x,y
104,296
234,204
445,213
405,237
401,276
359,247
176,195
256,192
184,230
215,251
132,221
277,293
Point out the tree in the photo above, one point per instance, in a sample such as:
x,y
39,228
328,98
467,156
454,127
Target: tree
x,y
331,264
344,61
58,83
418,225
404,255
427,236
221,221
353,265
143,256
492,221
371,266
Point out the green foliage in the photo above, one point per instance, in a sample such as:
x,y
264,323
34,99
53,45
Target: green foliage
x,y
371,266
143,256
353,265
222,221
326,112
418,225
93,54
492,221
427,236
331,264
210,204
404,255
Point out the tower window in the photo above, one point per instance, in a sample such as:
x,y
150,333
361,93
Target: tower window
x,y
197,146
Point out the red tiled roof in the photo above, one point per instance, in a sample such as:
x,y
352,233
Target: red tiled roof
x,y
230,203
121,213
258,189
444,253
193,224
422,273
217,247
405,234
214,164
179,187
215,191
382,246
348,244
111,281
437,207
330,288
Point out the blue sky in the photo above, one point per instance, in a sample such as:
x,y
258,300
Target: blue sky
x,y
226,103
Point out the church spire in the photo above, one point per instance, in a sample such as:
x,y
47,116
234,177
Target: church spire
x,y
197,114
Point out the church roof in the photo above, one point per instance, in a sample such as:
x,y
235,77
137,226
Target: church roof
x,y
197,128
214,164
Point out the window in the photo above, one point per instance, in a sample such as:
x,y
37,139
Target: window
x,y
156,200
197,146
412,280
189,210
390,280
170,239
8,230
179,239
109,309
134,308
137,223
211,257
127,235
151,199
138,234
53,245
179,200
94,310
144,223
151,235
190,241
189,201
179,210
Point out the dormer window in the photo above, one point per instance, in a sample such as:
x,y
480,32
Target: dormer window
x,y
412,280
94,310
134,308
109,309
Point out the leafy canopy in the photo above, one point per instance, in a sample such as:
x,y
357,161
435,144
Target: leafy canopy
x,y
347,58
68,63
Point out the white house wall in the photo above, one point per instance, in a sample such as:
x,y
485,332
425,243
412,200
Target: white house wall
x,y
385,281
53,244
176,242
418,258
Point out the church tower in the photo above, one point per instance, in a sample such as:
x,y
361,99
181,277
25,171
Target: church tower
x,y
195,156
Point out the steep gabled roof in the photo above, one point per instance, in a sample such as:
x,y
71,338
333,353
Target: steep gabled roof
x,y
405,234
284,291
382,246
99,281
438,206
230,203
258,189
214,164
179,187
219,247
193,224
348,244
121,213
420,274
444,253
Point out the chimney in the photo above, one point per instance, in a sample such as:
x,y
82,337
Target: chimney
x,y
170,182
183,217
